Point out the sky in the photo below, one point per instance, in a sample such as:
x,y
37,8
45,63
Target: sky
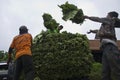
x,y
14,13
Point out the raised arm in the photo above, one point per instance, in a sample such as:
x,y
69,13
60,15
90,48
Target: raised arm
x,y
97,19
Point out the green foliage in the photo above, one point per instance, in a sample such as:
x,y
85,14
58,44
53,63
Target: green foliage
x,y
3,56
78,18
61,56
96,71
71,12
49,22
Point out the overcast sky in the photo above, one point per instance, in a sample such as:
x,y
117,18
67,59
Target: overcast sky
x,y
14,13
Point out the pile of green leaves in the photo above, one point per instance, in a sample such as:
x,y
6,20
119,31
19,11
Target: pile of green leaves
x,y
61,56
71,12
49,22
96,71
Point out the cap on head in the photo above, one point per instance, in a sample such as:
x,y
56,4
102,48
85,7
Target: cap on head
x,y
23,29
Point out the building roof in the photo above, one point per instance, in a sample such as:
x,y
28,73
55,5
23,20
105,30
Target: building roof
x,y
94,45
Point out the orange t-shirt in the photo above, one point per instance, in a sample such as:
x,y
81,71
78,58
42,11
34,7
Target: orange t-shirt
x,y
22,44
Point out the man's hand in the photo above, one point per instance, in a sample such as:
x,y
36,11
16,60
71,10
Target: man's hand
x,y
89,31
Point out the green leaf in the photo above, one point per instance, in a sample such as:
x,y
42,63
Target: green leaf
x,y
71,12
70,15
49,22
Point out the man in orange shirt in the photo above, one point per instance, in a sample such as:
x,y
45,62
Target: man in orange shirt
x,y
23,56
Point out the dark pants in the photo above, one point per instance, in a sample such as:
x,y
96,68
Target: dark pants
x,y
111,62
24,63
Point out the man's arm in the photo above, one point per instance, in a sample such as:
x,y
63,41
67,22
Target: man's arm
x,y
97,19
9,55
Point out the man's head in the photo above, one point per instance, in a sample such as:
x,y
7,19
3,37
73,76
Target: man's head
x,y
112,14
23,29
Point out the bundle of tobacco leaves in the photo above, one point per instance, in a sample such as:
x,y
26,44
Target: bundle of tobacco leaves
x,y
71,12
49,22
63,56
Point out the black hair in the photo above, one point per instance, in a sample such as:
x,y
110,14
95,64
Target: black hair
x,y
23,29
113,14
